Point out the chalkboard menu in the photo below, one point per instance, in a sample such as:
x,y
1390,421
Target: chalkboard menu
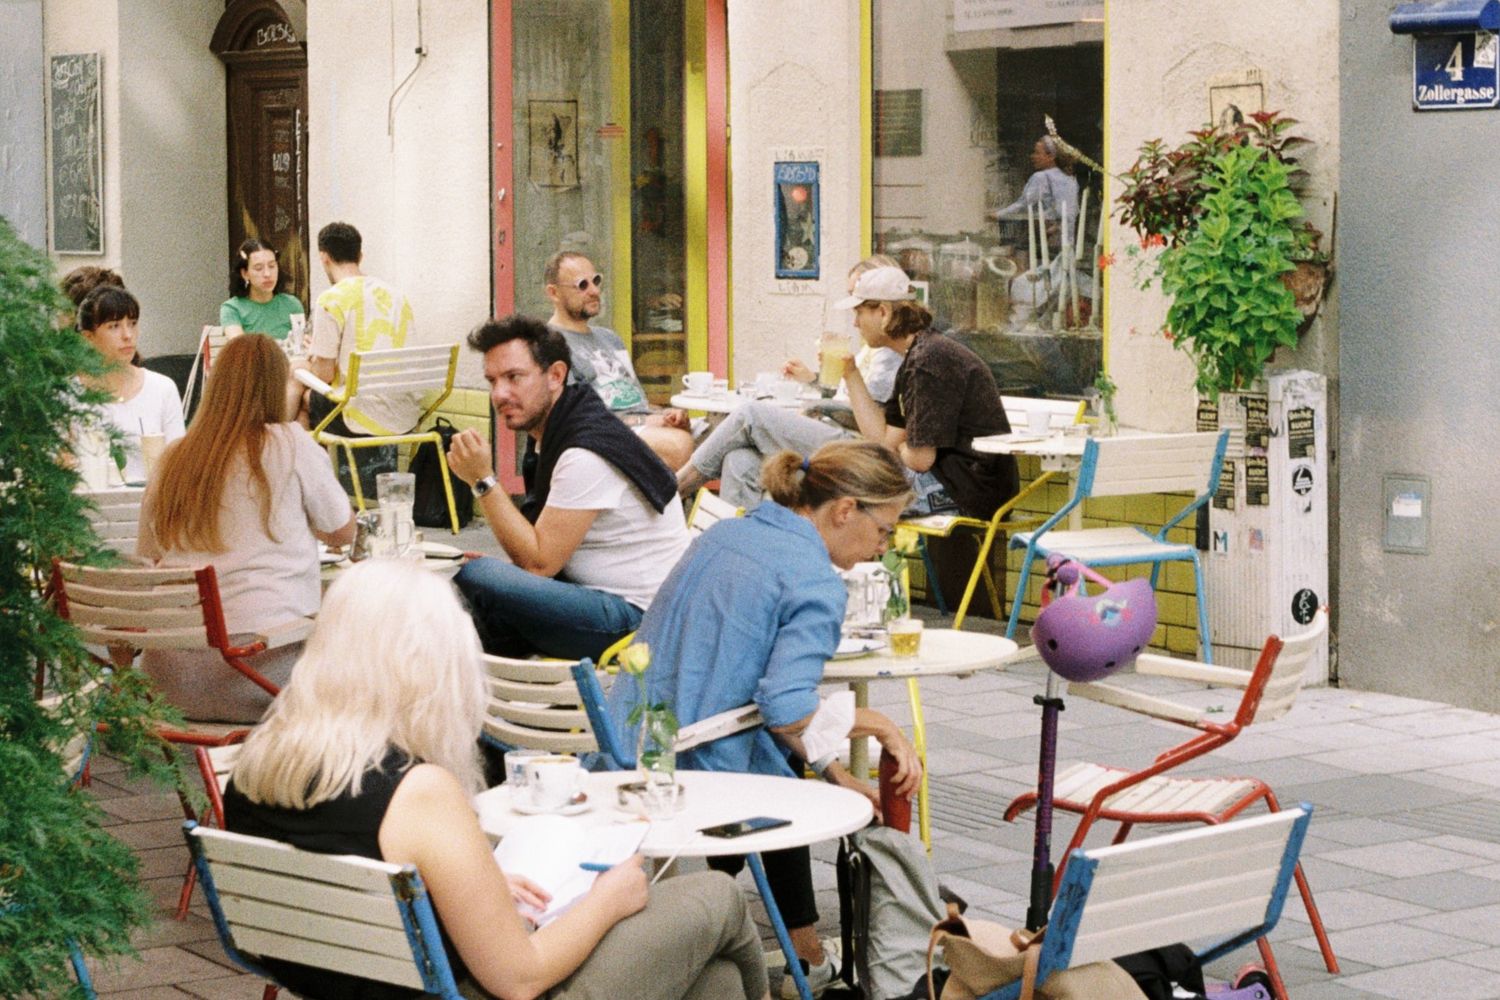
x,y
77,175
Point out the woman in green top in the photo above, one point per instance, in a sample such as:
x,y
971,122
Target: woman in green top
x,y
259,305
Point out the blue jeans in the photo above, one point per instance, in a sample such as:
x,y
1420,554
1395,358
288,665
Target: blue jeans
x,y
518,613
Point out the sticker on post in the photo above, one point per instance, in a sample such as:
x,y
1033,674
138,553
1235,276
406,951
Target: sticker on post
x,y
1406,505
1486,49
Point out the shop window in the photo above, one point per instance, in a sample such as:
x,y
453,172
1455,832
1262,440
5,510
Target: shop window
x,y
981,207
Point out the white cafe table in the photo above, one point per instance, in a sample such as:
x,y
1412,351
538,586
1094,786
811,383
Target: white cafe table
x,y
818,812
720,404
944,652
445,566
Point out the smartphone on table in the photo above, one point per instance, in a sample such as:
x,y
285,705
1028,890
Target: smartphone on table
x,y
744,827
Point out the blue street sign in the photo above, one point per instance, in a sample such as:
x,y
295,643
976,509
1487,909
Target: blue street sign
x,y
1455,72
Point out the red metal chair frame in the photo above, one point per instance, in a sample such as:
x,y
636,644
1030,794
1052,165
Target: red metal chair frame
x,y
97,625
1211,736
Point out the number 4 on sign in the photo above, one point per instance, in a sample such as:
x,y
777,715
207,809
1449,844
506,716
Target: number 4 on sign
x,y
1455,64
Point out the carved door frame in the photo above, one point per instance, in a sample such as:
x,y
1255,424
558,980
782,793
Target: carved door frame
x,y
263,48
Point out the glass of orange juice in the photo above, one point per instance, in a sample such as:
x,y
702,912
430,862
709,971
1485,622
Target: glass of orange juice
x,y
833,348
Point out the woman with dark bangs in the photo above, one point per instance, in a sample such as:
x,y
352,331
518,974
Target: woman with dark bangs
x,y
142,402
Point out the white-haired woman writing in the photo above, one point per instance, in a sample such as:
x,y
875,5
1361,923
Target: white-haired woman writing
x,y
372,750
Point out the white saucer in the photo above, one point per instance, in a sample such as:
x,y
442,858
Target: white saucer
x,y
571,809
850,647
437,550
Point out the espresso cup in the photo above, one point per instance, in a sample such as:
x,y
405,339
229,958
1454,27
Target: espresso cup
x,y
553,781
698,383
786,390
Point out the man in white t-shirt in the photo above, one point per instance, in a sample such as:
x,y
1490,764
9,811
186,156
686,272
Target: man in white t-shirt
x,y
602,524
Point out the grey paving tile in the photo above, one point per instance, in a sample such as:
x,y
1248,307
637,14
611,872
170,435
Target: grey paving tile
x,y
1359,831
1479,772
1452,784
1323,875
1368,794
1390,944
1450,980
1344,736
1413,755
1446,721
148,993
241,987
1343,909
1401,860
1468,845
1441,890
1336,989
1488,959
1481,923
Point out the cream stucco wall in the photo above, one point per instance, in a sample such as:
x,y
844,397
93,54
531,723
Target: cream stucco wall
x,y
419,195
172,164
93,26
794,94
1161,57
163,158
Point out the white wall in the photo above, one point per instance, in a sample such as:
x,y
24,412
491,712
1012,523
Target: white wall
x,y
172,163
791,92
93,26
1162,54
23,158
419,196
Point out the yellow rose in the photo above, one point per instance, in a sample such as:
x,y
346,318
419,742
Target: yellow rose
x,y
905,541
635,658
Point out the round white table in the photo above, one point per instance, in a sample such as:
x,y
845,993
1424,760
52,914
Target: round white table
x,y
944,652
726,403
818,812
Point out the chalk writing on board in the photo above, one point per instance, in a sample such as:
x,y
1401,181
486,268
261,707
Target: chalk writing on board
x,y
77,180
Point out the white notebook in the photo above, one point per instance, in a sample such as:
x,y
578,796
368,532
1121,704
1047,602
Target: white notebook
x,y
549,850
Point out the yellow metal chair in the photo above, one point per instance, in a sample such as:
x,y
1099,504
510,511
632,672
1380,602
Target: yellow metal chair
x,y
708,510
1063,412
403,371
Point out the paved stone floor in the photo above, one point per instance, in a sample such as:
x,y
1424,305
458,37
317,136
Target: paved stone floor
x,y
1403,853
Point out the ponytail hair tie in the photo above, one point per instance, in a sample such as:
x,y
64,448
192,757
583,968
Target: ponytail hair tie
x,y
806,465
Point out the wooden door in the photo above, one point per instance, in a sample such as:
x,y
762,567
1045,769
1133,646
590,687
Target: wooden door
x,y
266,107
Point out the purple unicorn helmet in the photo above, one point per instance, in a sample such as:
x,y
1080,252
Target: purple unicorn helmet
x,y
1089,638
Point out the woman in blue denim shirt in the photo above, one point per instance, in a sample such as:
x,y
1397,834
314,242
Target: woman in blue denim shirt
x,y
752,613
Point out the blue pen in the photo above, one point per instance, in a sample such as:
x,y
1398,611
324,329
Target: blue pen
x,y
594,866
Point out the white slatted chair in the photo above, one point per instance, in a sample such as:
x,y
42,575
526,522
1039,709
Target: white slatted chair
x,y
708,510
142,608
1226,884
1155,795
1061,412
1123,466
535,705
346,914
210,342
115,516
401,371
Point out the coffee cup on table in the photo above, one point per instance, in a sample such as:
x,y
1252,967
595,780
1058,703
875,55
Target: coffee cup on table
x,y
553,780
786,390
698,383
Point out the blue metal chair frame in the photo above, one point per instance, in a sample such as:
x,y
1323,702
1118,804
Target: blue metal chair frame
x,y
613,747
1073,897
1031,541
412,902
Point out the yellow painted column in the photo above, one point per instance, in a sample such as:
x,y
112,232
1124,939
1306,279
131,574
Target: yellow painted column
x,y
620,181
695,181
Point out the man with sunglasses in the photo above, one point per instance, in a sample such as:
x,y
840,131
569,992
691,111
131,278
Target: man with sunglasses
x,y
600,358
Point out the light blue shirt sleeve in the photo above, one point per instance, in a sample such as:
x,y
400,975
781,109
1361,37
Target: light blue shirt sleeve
x,y
807,637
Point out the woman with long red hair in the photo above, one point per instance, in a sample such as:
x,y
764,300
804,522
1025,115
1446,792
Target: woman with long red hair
x,y
250,494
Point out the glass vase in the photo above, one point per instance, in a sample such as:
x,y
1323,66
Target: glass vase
x,y
656,760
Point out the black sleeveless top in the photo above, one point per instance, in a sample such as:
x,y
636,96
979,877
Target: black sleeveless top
x,y
348,824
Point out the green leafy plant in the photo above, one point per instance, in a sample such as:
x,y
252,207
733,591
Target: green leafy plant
x,y
63,879
1105,386
1230,308
1165,187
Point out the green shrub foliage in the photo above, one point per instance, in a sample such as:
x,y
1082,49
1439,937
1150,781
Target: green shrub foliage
x,y
62,877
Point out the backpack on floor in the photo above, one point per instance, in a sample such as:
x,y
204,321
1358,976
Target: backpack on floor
x,y
429,504
888,902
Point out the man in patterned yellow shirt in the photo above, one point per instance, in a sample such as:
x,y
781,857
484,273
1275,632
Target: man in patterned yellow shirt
x,y
358,313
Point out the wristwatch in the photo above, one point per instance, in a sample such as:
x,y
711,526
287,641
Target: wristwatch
x,y
483,486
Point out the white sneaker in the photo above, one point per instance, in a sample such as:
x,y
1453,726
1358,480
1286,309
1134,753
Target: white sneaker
x,y
819,977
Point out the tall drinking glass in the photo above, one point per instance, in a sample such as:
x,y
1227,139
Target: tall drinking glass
x,y
397,491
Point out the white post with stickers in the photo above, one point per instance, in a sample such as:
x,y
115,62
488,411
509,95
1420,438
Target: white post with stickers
x,y
1266,567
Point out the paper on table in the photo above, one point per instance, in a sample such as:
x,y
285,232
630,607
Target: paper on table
x,y
549,849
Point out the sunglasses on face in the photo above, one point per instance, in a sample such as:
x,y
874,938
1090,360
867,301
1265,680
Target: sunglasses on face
x,y
583,283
